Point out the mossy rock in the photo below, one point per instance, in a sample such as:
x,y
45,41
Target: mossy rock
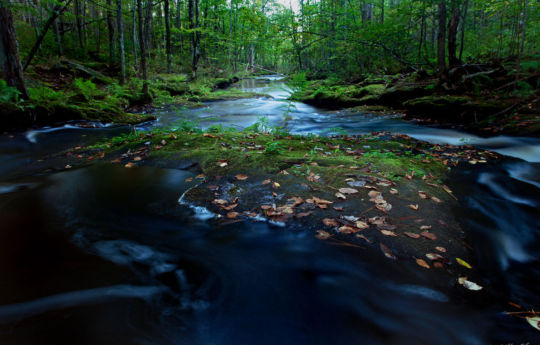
x,y
396,95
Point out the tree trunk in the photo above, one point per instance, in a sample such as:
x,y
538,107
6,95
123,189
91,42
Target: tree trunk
x,y
441,47
120,23
463,22
9,52
194,25
143,52
168,36
58,38
522,45
452,35
134,29
110,29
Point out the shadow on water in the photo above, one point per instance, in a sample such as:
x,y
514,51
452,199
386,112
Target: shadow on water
x,y
104,254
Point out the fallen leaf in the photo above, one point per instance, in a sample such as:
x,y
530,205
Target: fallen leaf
x,y
534,321
296,201
414,207
322,235
364,238
463,263
429,235
361,225
267,181
207,135
437,200
321,201
276,185
223,164
220,202
422,263
129,165
347,229
393,191
303,214
230,207
425,227
241,177
67,166
339,208
137,159
348,190
330,222
387,252
469,284
441,249
412,235
232,215
434,256
266,207
340,196
189,179
388,233
423,195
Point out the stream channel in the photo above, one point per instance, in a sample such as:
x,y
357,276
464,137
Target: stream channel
x,y
108,255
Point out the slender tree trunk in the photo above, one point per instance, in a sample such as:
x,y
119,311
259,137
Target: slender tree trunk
x,y
58,37
452,35
168,36
463,22
120,23
194,25
143,52
58,10
110,29
522,44
134,29
441,47
9,51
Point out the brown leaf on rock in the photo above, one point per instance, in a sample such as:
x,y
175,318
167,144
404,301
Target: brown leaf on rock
x,y
339,208
321,201
347,229
429,235
220,202
267,181
434,256
437,200
296,201
393,191
230,207
441,249
330,222
387,252
414,207
129,165
266,207
361,225
388,233
232,215
322,235
189,179
425,227
276,185
241,177
303,214
364,238
411,234
423,195
422,263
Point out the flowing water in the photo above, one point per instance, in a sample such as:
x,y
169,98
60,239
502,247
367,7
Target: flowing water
x,y
108,255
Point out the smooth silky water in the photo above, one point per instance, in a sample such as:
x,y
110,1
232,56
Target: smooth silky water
x,y
109,255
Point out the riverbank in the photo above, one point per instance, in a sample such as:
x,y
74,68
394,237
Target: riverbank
x,y
69,90
481,98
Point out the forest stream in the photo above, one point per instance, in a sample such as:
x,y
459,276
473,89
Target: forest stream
x,y
108,255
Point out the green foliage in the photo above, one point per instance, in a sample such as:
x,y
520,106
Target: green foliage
x,y
274,148
8,93
45,94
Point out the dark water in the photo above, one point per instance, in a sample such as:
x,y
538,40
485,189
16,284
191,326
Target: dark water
x,y
108,255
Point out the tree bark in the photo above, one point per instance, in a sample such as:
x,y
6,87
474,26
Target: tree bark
x,y
110,29
441,47
120,23
168,36
522,44
143,52
9,52
194,25
452,35
463,22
